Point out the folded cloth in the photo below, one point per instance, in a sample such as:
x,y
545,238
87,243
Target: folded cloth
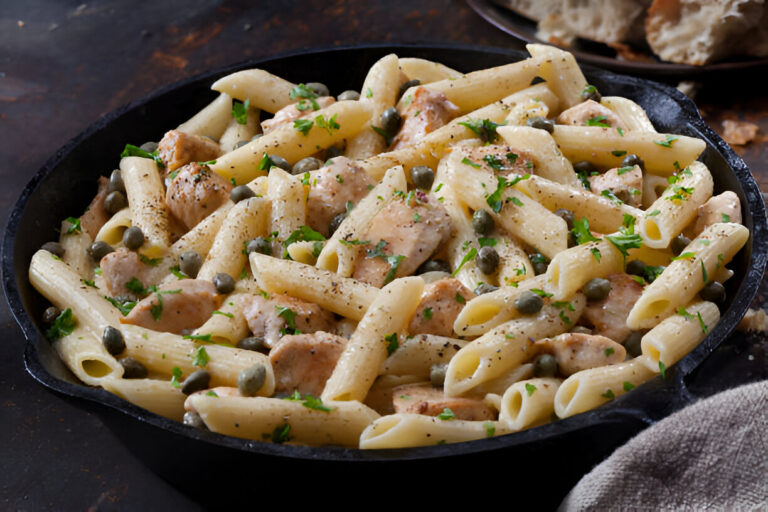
x,y
711,455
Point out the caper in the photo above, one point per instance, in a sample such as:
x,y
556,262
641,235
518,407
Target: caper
x,y
196,381
348,96
240,193
542,123
539,262
114,202
585,167
150,146
224,283
485,288
422,176
116,182
318,88
192,419
252,343
278,161
597,288
407,85
133,238
632,343
260,245
482,222
545,365
632,159
390,121
580,329
54,248
487,260
636,268
433,266
132,369
567,216
679,243
113,340
99,249
190,263
713,291
333,152
591,93
250,380
437,374
306,164
431,277
336,222
528,303
51,314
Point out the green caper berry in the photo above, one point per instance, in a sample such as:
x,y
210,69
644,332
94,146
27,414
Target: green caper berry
x,y
150,146
252,343
631,160
336,222
99,249
133,238
679,243
116,183
114,202
306,164
51,314
192,419
636,268
422,176
407,85
132,369
196,381
437,374
240,193
567,216
250,380
434,266
485,288
597,288
318,88
54,248
260,245
713,292
585,167
632,343
190,263
482,222
224,283
113,340
349,96
542,123
528,303
545,365
487,260
278,161
540,268
390,121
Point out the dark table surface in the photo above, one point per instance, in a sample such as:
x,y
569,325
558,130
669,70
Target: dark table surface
x,y
63,64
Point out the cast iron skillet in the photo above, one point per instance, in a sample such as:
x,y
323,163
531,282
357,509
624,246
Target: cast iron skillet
x,y
202,461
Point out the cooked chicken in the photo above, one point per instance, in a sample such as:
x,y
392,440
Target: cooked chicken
x,y
195,193
624,183
576,351
178,148
592,112
609,316
439,308
271,319
304,362
430,401
331,188
426,112
293,112
95,215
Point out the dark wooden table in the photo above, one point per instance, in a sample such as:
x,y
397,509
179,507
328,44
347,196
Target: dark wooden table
x,y
65,63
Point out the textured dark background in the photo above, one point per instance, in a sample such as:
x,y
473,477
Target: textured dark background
x,y
63,64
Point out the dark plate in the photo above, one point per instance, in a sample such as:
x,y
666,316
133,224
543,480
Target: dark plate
x,y
196,460
494,12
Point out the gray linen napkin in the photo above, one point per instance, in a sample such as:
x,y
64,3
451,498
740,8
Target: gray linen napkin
x,y
711,455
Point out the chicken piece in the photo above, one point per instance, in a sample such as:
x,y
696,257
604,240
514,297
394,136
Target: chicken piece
x,y
426,112
178,148
590,110
403,235
502,160
725,207
439,308
609,316
196,192
430,401
95,215
576,351
625,183
304,362
122,265
271,319
176,307
331,188
294,111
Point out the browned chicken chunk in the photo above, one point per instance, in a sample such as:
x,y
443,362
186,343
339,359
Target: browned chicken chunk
x,y
271,319
332,187
95,215
590,110
623,182
178,148
176,307
304,362
439,308
403,235
576,351
122,265
426,112
195,193
294,111
502,160
430,401
609,316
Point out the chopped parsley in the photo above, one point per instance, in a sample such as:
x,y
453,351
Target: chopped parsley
x,y
392,343
74,226
662,370
725,217
680,193
152,262
289,316
653,213
222,313
460,298
302,91
266,163
619,152
201,357
494,200
487,242
667,143
134,286
621,132
124,307
609,395
176,271
240,111
598,121
394,262
63,325
541,293
483,128
467,257
282,433
516,201
90,283
596,253
176,377
131,150
530,388
581,231
494,162
427,313
304,234
704,327
609,351
584,180
628,386
684,256
469,162
608,193
624,170
490,429
354,242
157,309
328,124
368,92
446,415
303,125
211,393
704,275
198,337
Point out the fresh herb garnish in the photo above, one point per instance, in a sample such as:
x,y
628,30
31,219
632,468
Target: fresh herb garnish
x,y
328,124
74,226
628,386
469,162
123,307
483,128
201,357
176,377
240,111
460,298
609,394
303,125
289,316
530,388
222,313
667,143
581,231
467,257
392,343
302,91
282,433
541,293
446,415
598,121
131,150
63,325
198,337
